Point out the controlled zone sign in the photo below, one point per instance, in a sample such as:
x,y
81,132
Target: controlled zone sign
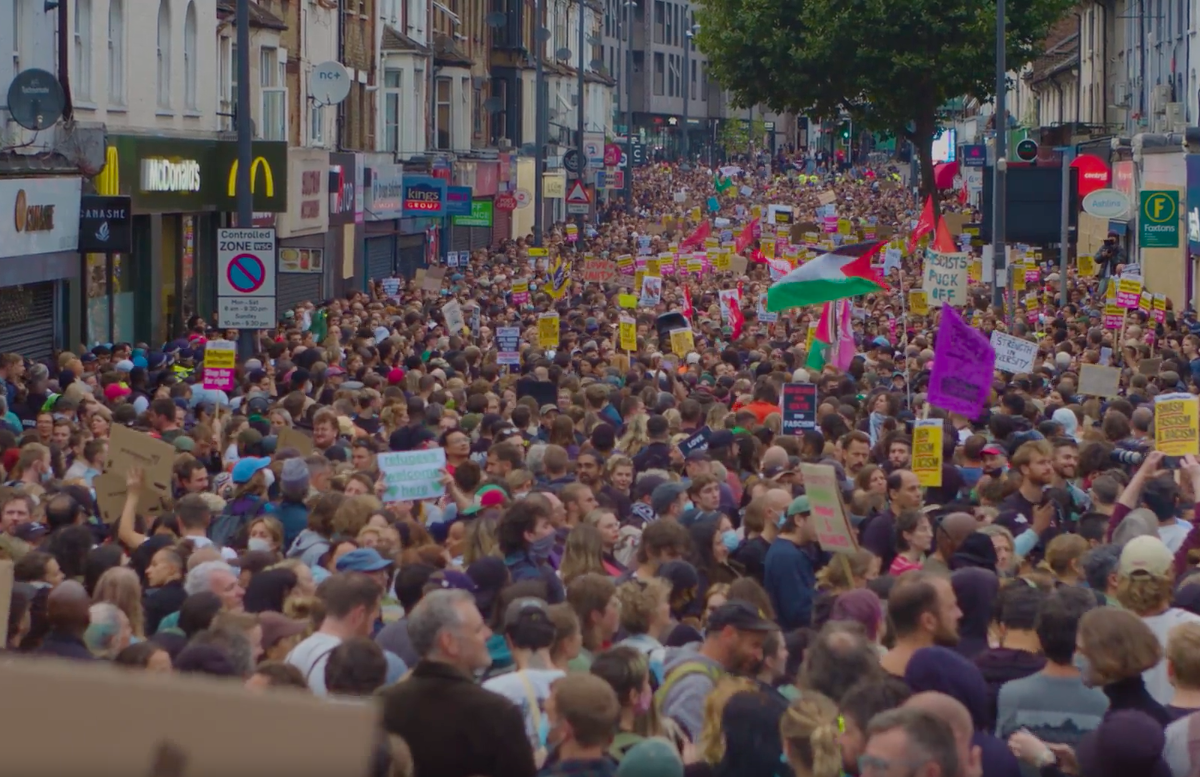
x,y
246,278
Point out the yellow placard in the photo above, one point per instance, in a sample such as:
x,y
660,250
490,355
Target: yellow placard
x,y
918,303
548,330
628,333
554,186
1160,302
1087,266
1019,278
1146,301
1129,286
768,249
652,268
628,301
927,451
1177,424
722,262
695,266
695,214
624,262
712,242
536,252
844,226
812,333
975,270
683,342
637,280
219,358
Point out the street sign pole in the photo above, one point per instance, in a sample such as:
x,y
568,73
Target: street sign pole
x,y
247,339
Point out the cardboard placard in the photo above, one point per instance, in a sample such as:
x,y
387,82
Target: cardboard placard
x,y
165,725
294,438
412,475
1098,381
1150,367
127,448
6,589
110,491
827,197
737,264
828,516
1013,354
433,279
697,442
599,271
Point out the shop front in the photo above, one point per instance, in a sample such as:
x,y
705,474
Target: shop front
x,y
473,230
182,190
39,241
346,218
302,230
385,195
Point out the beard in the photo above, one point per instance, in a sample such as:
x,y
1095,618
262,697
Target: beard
x,y
946,634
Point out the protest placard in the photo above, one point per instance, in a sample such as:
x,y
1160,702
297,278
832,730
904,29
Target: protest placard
x,y
548,326
828,515
946,277
412,475
6,588
1129,291
798,407
628,332
294,438
110,491
520,292
963,361
651,292
927,451
1150,367
164,725
918,303
1098,381
1177,424
127,448
827,197
1013,354
737,264
683,342
599,271
652,269
627,301
508,343
433,279
220,360
452,312
697,442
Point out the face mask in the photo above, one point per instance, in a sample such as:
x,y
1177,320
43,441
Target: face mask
x,y
540,548
46,475
644,701
258,543
1085,668
688,505
730,540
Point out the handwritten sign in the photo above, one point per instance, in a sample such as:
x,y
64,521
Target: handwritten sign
x,y
628,332
453,313
946,278
127,448
599,271
220,360
962,367
927,451
828,516
110,491
1177,424
412,475
1012,353
798,407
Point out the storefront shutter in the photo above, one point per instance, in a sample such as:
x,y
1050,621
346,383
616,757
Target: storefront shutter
x,y
27,320
292,288
410,254
460,238
381,257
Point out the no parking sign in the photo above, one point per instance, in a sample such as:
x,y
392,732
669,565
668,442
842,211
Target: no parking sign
x,y
246,278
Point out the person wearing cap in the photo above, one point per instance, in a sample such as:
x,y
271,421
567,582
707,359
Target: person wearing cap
x,y
657,453
351,601
370,563
670,501
733,643
529,633
1145,587
789,569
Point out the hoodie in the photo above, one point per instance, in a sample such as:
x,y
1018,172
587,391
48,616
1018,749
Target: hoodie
x,y
942,670
976,591
309,547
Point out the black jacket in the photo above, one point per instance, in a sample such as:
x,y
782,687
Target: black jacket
x,y
59,645
161,602
454,727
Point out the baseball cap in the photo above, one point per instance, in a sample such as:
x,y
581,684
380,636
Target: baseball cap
x,y
740,616
362,560
799,506
450,578
992,450
487,496
527,609
245,468
664,496
1146,555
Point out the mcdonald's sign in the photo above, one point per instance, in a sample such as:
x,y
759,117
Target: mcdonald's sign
x,y
268,176
258,162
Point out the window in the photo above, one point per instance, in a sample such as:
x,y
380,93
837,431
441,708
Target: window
x,y
164,54
692,81
660,12
442,119
704,81
116,52
670,75
421,117
272,83
391,110
316,124
477,114
189,57
670,32
16,26
82,76
658,73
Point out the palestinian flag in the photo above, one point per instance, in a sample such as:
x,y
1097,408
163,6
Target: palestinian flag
x,y
721,183
841,273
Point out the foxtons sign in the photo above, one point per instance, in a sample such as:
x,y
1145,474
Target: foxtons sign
x,y
1158,219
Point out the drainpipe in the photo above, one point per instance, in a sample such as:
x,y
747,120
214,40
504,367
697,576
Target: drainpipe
x,y
64,60
1078,65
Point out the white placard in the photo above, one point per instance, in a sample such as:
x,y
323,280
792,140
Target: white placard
x,y
1013,354
946,277
453,313
412,475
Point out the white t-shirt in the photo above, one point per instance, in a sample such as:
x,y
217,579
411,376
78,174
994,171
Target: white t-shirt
x,y
311,656
1156,677
1173,534
522,687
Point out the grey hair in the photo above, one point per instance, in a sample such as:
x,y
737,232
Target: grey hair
x,y
533,458
436,612
1100,562
103,630
233,643
929,737
199,579
1139,523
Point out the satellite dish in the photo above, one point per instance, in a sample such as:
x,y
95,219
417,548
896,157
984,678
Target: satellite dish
x,y
543,34
496,19
36,99
563,54
494,104
596,64
329,83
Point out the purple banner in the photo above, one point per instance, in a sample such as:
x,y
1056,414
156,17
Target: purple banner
x,y
963,362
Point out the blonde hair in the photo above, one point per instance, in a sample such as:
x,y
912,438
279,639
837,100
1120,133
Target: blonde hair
x,y
834,577
1183,653
1145,594
354,512
1117,644
809,727
274,528
481,540
584,553
120,586
639,603
1062,552
711,745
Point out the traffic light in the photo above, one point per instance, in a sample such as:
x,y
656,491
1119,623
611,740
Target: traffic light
x,y
846,132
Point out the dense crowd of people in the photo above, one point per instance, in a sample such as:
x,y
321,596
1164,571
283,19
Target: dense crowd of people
x,y
620,571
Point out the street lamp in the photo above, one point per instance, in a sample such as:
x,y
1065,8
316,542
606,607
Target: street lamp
x,y
687,81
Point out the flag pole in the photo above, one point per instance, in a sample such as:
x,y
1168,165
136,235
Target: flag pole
x,y
904,330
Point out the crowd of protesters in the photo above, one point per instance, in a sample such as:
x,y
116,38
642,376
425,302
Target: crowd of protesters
x,y
590,599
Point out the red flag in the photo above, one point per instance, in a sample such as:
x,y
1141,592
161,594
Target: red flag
x,y
924,225
758,257
697,237
739,290
736,320
943,242
746,237
687,303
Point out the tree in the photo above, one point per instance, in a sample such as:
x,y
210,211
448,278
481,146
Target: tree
x,y
737,135
889,64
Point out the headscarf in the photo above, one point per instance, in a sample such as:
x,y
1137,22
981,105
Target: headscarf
x,y
1067,420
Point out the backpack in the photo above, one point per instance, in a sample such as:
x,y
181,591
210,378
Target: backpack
x,y
621,744
227,526
686,669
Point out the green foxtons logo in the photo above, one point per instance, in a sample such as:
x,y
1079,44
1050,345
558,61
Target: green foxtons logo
x,y
1158,219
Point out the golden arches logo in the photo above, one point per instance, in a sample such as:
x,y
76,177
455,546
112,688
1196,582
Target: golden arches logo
x,y
108,182
270,177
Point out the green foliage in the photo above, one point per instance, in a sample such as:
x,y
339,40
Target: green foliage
x,y
888,64
736,134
